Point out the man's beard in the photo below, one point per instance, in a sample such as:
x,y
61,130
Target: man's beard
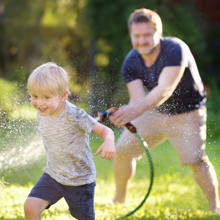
x,y
151,51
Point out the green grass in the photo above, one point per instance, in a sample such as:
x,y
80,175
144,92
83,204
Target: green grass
x,y
174,194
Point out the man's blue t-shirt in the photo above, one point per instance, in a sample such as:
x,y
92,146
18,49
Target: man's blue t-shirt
x,y
188,95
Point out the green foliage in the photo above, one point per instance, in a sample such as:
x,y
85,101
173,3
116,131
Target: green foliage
x,y
8,94
14,101
211,71
213,112
19,38
36,31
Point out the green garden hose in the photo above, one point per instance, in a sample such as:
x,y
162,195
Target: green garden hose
x,y
102,116
144,144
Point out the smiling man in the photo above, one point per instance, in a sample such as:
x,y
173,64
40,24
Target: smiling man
x,y
174,107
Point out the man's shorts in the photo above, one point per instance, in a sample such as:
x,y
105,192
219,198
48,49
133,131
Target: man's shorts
x,y
186,132
80,199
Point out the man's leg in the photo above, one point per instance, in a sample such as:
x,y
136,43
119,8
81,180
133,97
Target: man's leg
x,y
129,149
189,138
124,170
205,177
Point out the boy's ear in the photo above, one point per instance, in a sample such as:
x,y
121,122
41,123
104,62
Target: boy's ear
x,y
64,97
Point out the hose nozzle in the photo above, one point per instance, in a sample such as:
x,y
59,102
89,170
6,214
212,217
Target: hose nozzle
x,y
104,115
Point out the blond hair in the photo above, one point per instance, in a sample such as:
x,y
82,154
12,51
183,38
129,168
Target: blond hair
x,y
48,78
145,15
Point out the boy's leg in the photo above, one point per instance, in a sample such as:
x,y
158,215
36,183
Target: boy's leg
x,y
33,208
45,193
80,200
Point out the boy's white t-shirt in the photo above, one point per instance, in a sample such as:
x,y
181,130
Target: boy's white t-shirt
x,y
66,142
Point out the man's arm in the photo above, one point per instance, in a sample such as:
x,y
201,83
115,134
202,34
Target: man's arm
x,y
139,101
167,83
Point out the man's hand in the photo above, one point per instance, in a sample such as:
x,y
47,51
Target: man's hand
x,y
126,113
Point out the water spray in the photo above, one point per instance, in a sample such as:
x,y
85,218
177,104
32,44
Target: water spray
x,y
102,117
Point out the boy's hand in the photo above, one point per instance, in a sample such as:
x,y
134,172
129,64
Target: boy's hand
x,y
108,147
108,151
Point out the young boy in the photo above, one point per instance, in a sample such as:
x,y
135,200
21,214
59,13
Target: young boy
x,y
70,171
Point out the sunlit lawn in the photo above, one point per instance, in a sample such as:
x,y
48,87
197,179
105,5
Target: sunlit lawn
x,y
174,194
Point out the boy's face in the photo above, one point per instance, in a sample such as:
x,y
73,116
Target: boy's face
x,y
48,104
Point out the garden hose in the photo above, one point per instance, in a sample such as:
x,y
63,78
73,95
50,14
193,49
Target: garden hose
x,y
102,116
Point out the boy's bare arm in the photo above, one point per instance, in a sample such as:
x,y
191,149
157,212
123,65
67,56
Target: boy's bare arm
x,y
108,146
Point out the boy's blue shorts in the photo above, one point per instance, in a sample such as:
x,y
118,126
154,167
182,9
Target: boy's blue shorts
x,y
80,199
